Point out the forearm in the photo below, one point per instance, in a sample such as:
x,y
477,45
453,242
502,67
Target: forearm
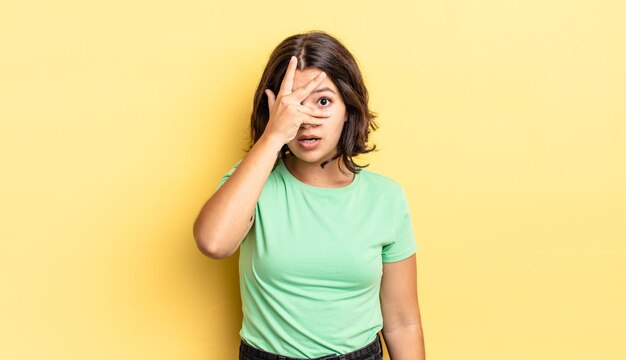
x,y
405,343
222,220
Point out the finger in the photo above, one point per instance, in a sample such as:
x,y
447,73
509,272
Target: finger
x,y
313,121
271,98
315,112
304,91
287,84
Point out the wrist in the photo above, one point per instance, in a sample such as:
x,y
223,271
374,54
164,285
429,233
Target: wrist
x,y
272,143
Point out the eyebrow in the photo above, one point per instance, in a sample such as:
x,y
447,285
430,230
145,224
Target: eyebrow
x,y
324,89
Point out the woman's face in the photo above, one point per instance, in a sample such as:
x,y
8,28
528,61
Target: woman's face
x,y
325,96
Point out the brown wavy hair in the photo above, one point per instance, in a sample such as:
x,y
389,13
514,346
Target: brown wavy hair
x,y
318,49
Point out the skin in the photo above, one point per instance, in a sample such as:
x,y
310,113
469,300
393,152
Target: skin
x,y
304,164
402,325
311,92
402,329
228,215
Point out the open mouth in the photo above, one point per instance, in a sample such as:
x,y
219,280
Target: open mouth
x,y
309,143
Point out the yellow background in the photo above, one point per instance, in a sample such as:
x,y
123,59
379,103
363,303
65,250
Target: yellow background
x,y
505,121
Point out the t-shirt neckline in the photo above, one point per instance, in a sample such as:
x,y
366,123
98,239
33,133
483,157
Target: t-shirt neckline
x,y
317,189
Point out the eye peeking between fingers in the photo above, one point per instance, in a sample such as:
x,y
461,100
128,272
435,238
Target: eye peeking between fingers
x,y
327,101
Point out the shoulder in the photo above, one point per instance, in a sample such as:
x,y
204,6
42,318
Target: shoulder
x,y
381,183
236,164
227,175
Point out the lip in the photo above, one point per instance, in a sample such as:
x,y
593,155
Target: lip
x,y
308,146
308,136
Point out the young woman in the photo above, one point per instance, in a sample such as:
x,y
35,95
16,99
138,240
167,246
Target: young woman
x,y
327,250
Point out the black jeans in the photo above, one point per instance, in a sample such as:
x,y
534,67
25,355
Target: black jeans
x,y
373,351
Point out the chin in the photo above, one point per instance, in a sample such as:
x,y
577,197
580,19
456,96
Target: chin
x,y
307,157
314,159
315,156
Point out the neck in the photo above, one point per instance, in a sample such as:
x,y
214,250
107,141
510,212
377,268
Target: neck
x,y
313,174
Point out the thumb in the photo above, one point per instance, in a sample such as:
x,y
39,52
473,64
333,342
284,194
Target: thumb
x,y
270,98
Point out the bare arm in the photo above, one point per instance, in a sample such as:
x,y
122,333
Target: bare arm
x,y
402,325
227,216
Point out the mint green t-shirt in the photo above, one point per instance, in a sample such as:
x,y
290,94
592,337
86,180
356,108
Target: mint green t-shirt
x,y
311,265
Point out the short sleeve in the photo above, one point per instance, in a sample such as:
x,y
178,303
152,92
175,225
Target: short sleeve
x,y
228,174
404,244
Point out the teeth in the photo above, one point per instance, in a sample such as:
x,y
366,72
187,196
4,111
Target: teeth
x,y
309,140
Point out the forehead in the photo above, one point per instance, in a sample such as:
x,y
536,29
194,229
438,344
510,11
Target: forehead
x,y
301,78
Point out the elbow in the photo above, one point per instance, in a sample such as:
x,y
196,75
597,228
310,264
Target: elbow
x,y
214,254
210,248
211,251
